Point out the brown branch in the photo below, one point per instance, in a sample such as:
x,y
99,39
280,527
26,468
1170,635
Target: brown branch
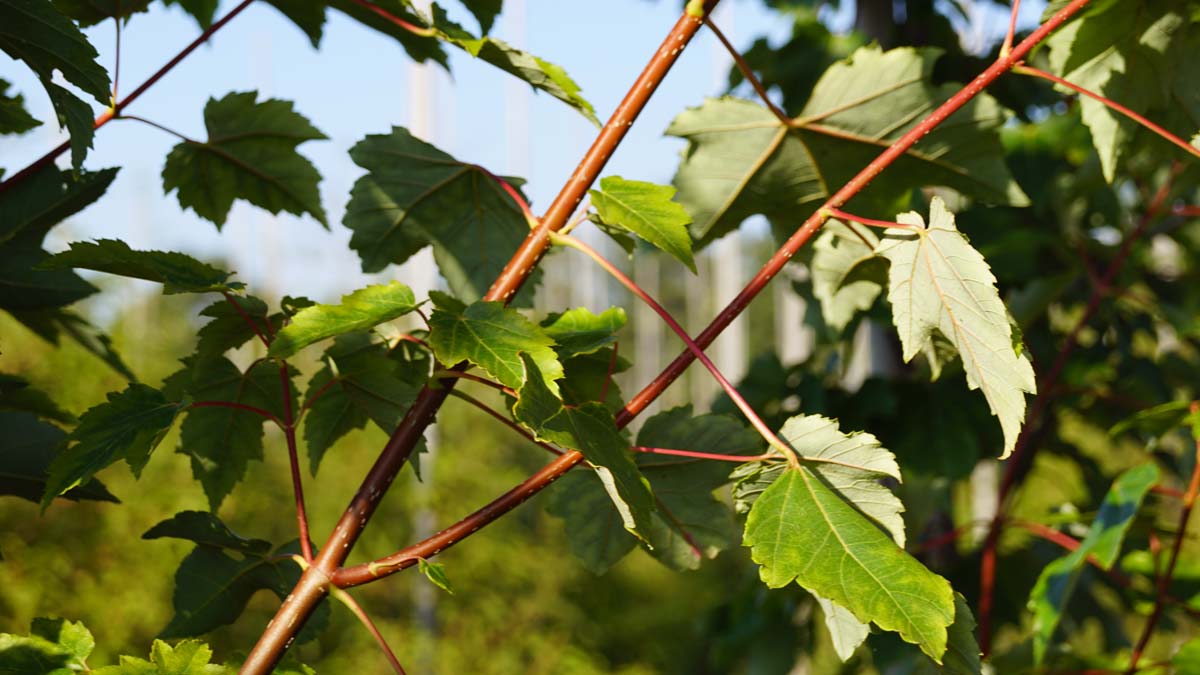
x,y
118,106
314,583
556,468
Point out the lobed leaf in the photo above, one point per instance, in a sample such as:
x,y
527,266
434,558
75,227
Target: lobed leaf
x,y
939,284
362,379
801,529
590,429
35,32
415,195
14,119
250,154
362,309
177,272
742,161
538,73
129,426
689,523
577,332
845,275
53,647
494,337
646,210
189,657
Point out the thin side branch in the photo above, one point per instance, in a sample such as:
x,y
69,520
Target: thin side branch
x,y
289,433
748,73
365,619
1163,133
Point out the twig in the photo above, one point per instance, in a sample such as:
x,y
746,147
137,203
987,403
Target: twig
x,y
1006,46
313,584
457,374
505,421
238,406
746,409
237,307
748,73
741,459
289,432
392,18
1166,135
366,621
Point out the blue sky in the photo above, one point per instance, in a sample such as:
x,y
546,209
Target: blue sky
x,y
358,84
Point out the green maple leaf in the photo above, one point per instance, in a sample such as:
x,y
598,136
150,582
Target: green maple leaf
x,y
801,529
416,195
577,332
1056,583
177,272
250,154
27,447
217,579
538,73
846,278
1134,52
228,328
494,337
35,32
362,379
129,426
646,210
53,647
590,429
91,12
362,309
28,210
419,48
689,524
14,119
189,657
741,160
221,441
939,284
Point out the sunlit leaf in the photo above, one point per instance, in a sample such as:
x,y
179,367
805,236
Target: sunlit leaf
x,y
646,210
577,331
801,529
741,160
493,337
436,574
359,310
189,657
53,647
938,283
838,262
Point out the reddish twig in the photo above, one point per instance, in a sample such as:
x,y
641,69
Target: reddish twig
x,y
363,618
508,501
1186,211
741,459
420,31
237,307
289,432
314,583
457,374
238,406
1163,133
755,421
1164,579
748,73
119,106
869,222
514,194
505,421
1006,46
